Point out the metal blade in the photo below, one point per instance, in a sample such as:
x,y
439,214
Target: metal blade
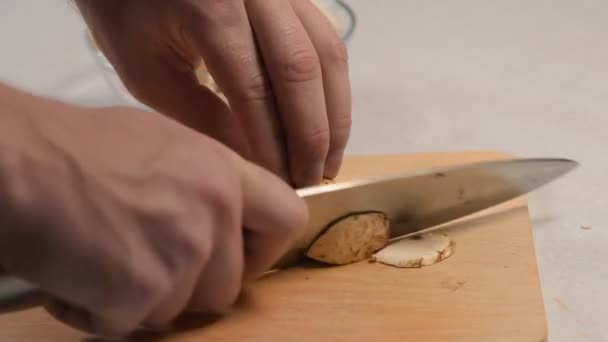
x,y
419,200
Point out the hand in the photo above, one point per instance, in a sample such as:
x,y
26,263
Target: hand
x,y
280,64
129,219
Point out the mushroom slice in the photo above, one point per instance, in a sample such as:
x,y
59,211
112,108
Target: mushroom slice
x,y
417,251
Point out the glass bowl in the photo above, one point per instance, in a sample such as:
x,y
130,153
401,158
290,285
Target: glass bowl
x,y
340,14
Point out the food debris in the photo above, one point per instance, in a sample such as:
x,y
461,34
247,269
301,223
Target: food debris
x,y
586,227
452,284
561,304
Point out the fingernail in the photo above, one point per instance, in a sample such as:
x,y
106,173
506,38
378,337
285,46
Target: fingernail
x,y
333,164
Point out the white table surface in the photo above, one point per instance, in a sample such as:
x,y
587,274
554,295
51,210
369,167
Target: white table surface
x,y
525,77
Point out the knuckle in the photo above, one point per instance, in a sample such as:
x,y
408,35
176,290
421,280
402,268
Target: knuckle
x,y
302,65
218,6
194,247
216,190
256,89
139,292
217,193
221,198
342,121
341,127
337,52
315,143
153,286
199,14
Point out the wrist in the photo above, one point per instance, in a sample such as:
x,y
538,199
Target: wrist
x,y
12,143
29,188
36,202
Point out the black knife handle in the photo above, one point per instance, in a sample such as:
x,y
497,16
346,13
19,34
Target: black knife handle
x,y
18,295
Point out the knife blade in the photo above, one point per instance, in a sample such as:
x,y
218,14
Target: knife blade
x,y
414,201
419,200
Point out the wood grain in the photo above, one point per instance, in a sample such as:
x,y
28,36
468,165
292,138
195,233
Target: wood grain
x,y
488,290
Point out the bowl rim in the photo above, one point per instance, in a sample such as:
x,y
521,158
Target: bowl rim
x,y
350,12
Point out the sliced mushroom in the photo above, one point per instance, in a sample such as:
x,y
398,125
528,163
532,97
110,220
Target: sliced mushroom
x,y
417,251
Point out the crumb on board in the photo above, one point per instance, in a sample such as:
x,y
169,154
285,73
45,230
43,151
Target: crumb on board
x,y
561,304
586,227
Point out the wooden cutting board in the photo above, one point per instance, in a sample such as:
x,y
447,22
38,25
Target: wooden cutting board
x,y
488,290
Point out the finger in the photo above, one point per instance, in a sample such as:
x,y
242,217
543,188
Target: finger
x,y
220,282
83,320
175,303
295,72
334,65
112,295
192,258
174,90
273,215
222,35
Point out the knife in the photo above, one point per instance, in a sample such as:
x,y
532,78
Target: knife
x,y
413,201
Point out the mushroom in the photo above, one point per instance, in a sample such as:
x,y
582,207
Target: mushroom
x,y
350,239
417,251
364,235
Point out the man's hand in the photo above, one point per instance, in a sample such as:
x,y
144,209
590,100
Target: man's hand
x,y
128,218
280,64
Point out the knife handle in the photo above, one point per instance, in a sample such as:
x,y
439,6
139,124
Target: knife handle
x,y
18,295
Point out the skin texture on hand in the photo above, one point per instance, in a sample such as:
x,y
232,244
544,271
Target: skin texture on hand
x,y
280,64
128,218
